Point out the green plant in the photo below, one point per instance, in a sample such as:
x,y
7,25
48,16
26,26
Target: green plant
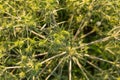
x,y
59,39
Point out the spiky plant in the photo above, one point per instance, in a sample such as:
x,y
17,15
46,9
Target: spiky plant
x,y
59,40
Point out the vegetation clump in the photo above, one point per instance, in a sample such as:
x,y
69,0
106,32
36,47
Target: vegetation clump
x,y
59,39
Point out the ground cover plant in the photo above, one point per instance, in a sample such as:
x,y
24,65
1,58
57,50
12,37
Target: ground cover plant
x,y
59,39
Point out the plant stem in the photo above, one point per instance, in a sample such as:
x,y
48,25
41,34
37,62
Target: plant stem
x,y
70,69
